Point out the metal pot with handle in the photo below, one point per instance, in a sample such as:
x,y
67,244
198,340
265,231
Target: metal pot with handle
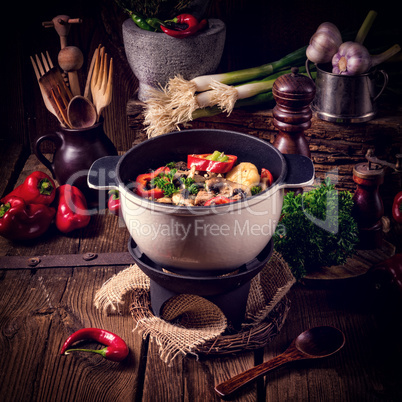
x,y
209,239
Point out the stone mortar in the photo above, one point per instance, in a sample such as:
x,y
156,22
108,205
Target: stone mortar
x,y
155,57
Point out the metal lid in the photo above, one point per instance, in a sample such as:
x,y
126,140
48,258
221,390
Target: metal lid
x,y
370,171
294,86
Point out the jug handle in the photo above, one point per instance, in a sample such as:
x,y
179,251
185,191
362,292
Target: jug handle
x,y
385,75
42,158
308,69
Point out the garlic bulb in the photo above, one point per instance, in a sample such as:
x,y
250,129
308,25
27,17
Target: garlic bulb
x,y
324,43
353,58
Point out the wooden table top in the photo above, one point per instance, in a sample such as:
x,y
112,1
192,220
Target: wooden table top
x,y
40,307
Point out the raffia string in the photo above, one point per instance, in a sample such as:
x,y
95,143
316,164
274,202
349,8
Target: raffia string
x,y
188,321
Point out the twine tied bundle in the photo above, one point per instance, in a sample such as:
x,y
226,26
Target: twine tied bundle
x,y
188,322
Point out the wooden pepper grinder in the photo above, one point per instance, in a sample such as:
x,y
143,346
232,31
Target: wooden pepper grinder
x,y
293,94
368,208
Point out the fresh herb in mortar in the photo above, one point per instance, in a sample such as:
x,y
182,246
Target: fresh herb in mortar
x,y
316,229
162,9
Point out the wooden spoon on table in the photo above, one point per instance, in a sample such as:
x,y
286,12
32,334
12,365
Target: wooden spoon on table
x,y
314,343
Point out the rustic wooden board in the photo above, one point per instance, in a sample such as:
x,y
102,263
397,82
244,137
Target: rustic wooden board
x,y
359,264
38,312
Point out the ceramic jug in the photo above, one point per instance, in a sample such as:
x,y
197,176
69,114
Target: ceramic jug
x,y
75,151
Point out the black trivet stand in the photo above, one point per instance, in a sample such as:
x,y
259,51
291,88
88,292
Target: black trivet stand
x,y
229,292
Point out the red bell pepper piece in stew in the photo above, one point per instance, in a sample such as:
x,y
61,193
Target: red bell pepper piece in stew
x,y
216,162
143,185
397,208
218,200
38,188
72,212
266,177
116,349
113,203
22,221
192,23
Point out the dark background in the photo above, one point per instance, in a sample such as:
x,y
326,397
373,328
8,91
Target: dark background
x,y
258,31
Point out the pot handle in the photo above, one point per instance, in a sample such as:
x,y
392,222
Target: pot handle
x,y
102,173
300,171
385,75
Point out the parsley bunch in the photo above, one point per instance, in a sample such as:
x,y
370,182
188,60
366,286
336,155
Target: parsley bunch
x,y
317,229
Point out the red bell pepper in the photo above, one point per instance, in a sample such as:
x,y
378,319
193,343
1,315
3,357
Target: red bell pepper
x,y
266,177
397,208
22,221
38,188
113,203
218,200
192,23
386,277
201,162
142,184
72,212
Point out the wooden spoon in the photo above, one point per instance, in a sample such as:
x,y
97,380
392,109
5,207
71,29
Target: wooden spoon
x,y
81,112
311,344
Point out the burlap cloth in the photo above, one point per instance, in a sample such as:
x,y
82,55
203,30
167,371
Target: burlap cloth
x,y
188,321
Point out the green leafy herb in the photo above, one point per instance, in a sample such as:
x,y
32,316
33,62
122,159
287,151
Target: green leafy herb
x,y
316,229
165,181
255,190
190,185
162,9
171,165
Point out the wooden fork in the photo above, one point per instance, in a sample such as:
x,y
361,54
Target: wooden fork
x,y
55,93
102,81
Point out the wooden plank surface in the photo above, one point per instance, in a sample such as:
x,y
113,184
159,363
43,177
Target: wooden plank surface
x,y
39,308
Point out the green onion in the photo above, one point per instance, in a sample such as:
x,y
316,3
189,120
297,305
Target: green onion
x,y
202,83
226,96
365,28
177,103
259,99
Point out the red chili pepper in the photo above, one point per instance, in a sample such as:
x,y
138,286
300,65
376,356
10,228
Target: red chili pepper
x,y
72,210
116,349
38,188
206,165
218,200
142,183
266,176
113,203
386,277
193,26
397,208
22,221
